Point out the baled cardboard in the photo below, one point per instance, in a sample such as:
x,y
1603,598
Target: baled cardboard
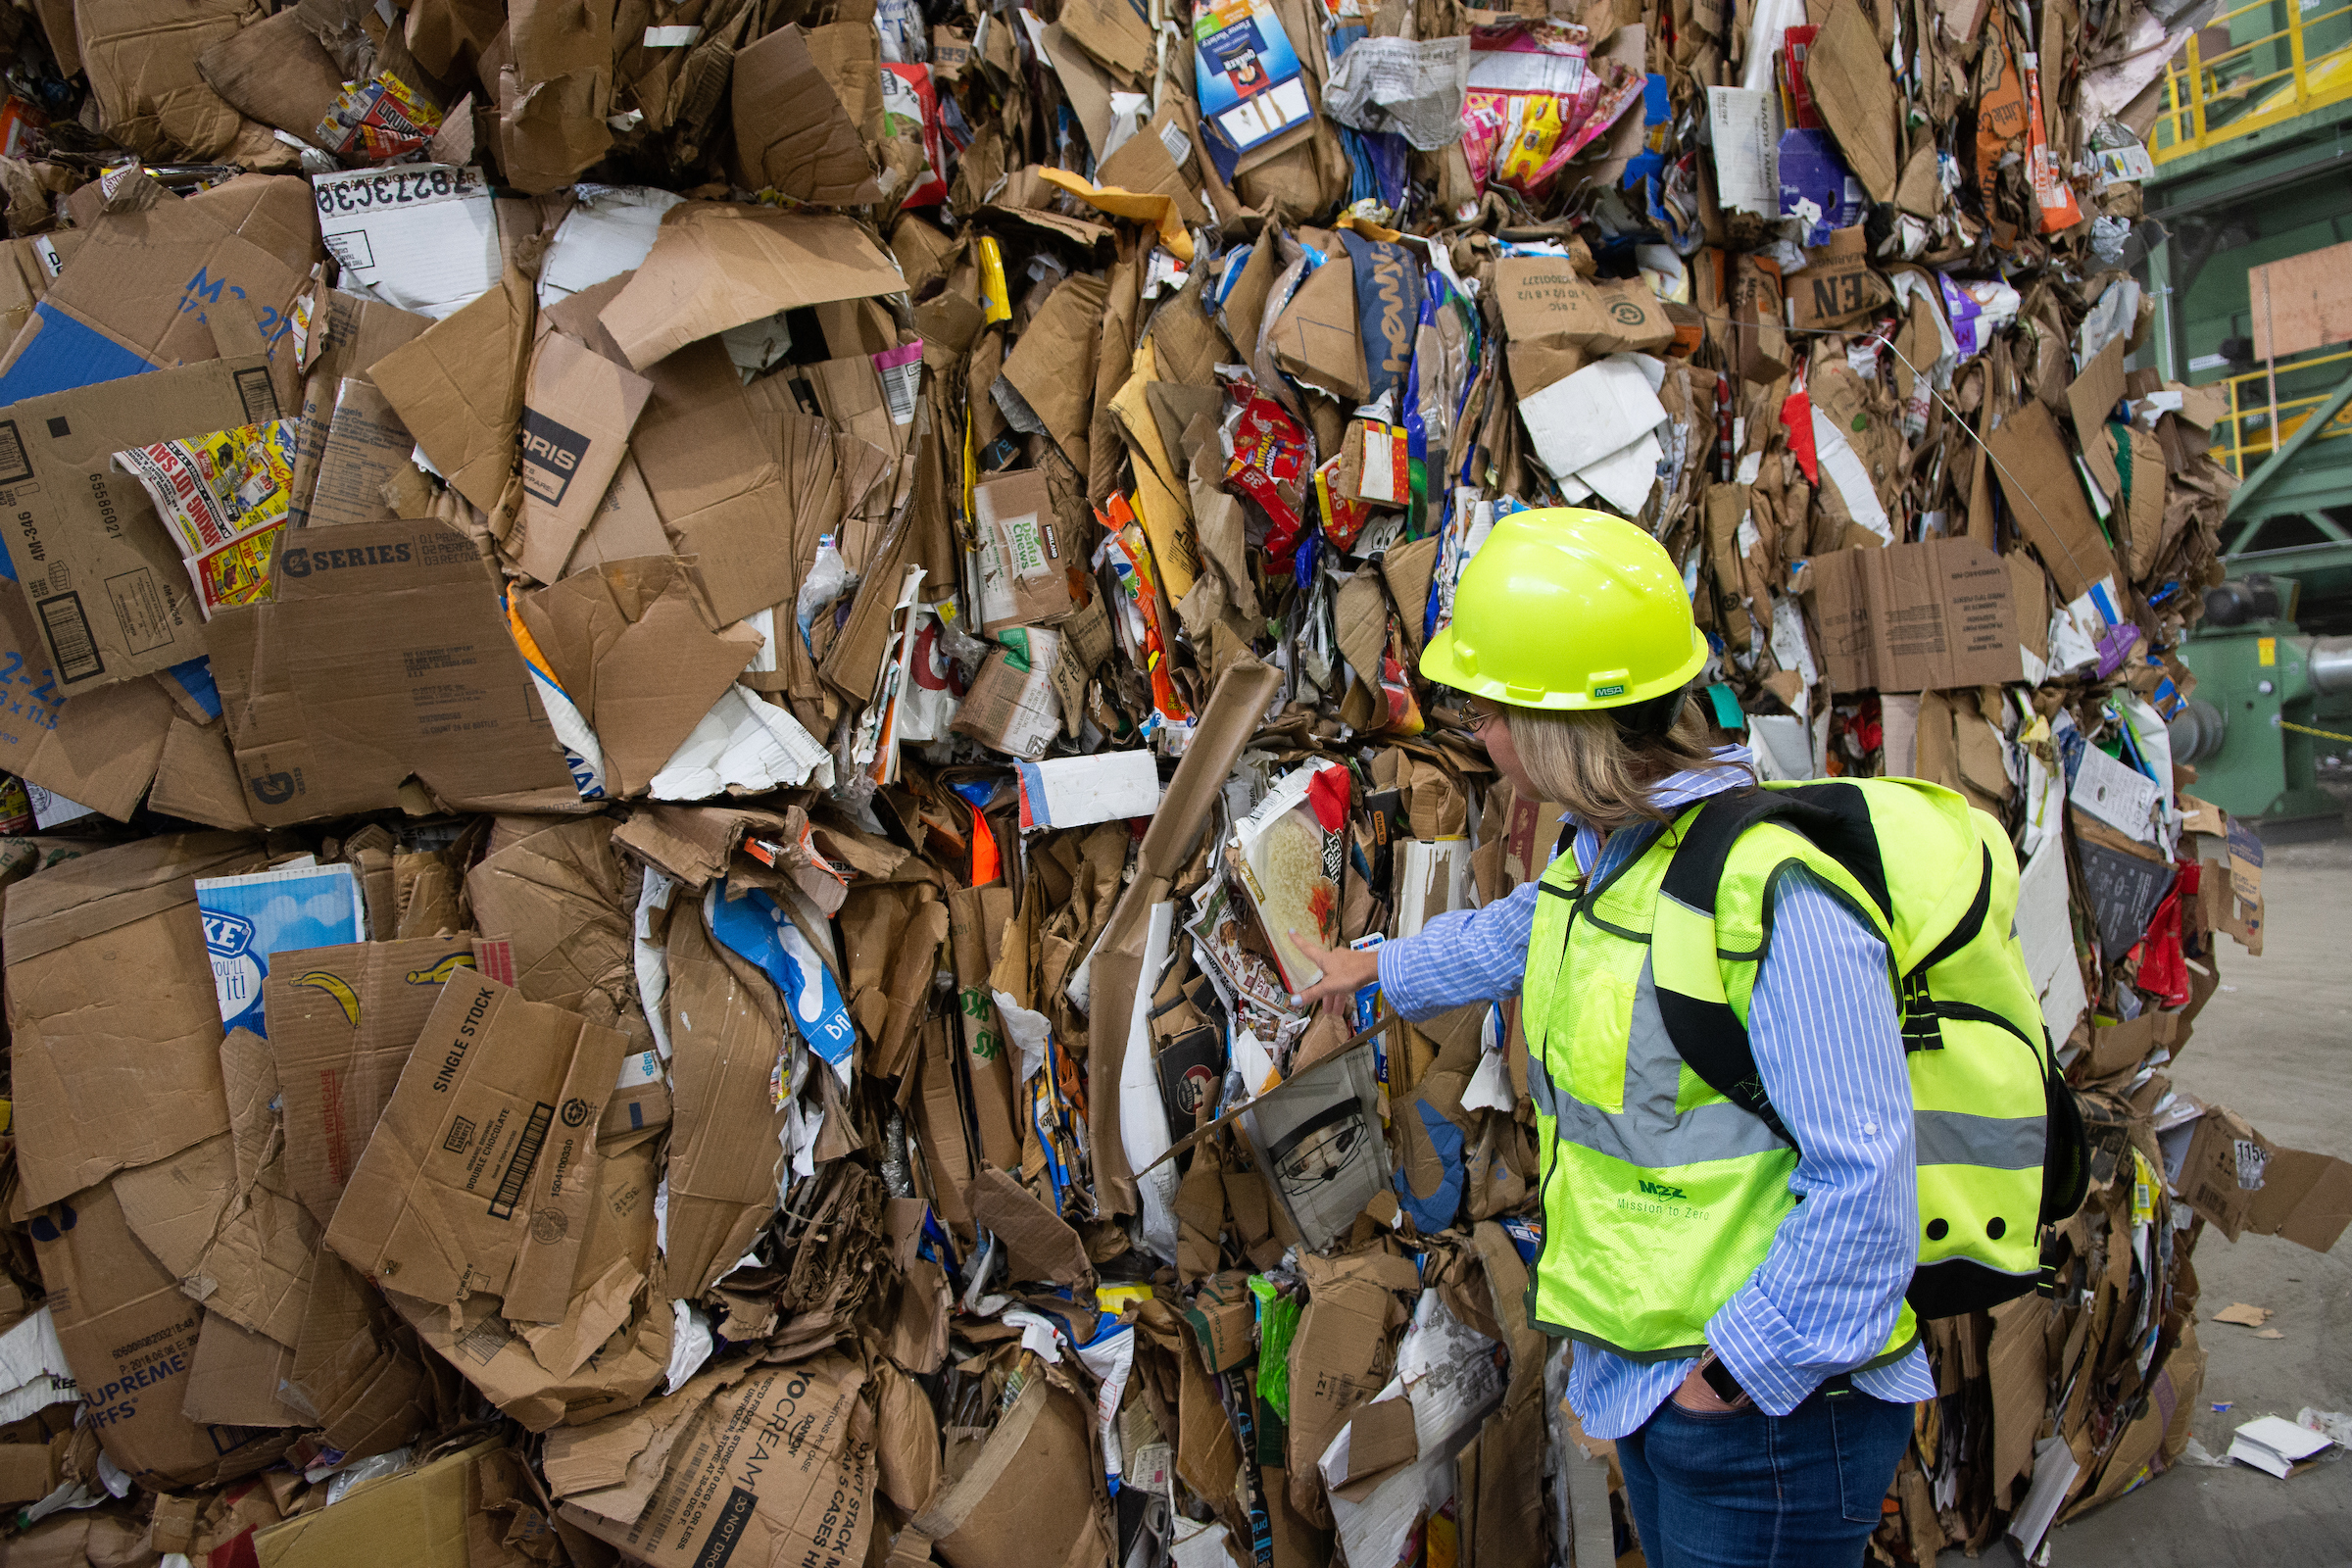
x,y
481,1174
792,133
142,64
557,893
1846,73
716,266
27,267
2090,402
384,658
1030,1493
1341,1353
694,843
1048,366
98,570
1544,297
2305,1198
234,1377
196,777
358,332
244,1245
275,72
1916,617
102,749
1024,578
777,1467
365,451
108,1076
1011,705
158,288
1040,1244
496,1357
342,1023
2225,1167
727,1032
1838,286
706,449
1317,337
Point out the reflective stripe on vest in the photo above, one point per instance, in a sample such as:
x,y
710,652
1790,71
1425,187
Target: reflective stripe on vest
x,y
1996,1143
1648,1132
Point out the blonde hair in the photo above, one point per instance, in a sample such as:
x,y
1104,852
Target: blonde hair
x,y
1587,763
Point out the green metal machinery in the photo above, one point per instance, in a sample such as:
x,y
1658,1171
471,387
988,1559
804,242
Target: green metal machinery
x,y
2264,684
2252,147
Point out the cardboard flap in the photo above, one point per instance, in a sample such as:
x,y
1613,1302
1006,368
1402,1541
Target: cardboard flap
x,y
384,658
478,1176
792,133
716,266
459,389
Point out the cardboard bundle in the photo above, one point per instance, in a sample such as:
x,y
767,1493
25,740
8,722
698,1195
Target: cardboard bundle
x,y
677,678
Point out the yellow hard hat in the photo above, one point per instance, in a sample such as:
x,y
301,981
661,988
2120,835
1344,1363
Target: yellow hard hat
x,y
1567,608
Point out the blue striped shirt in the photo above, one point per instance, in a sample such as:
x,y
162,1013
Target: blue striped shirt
x,y
1830,1053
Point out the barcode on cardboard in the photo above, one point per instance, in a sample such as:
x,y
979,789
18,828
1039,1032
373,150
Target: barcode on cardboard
x,y
258,396
14,466
898,390
485,1339
1178,144
362,189
68,633
519,1168
901,373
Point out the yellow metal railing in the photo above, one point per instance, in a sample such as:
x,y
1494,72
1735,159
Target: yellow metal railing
x,y
2255,83
2247,435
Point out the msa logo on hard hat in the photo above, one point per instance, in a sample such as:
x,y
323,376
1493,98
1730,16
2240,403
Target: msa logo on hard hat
x,y
1615,689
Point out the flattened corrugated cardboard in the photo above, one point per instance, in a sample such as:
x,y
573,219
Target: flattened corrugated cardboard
x,y
342,1023
1916,617
101,577
109,1074
716,264
479,1176
384,658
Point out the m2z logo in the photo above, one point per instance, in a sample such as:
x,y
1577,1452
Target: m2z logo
x,y
205,289
1673,1195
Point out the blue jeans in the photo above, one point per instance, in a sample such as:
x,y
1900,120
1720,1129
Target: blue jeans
x,y
1747,1490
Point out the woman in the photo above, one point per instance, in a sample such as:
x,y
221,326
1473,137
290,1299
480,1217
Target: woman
x,y
1739,1302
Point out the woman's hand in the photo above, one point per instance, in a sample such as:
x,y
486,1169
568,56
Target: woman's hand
x,y
1699,1397
1346,970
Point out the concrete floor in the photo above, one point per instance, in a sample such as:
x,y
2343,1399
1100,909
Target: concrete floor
x,y
2276,1047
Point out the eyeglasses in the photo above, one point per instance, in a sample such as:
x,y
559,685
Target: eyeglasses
x,y
1480,718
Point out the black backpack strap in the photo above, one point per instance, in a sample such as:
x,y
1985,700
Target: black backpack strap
x,y
1835,816
1709,1035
